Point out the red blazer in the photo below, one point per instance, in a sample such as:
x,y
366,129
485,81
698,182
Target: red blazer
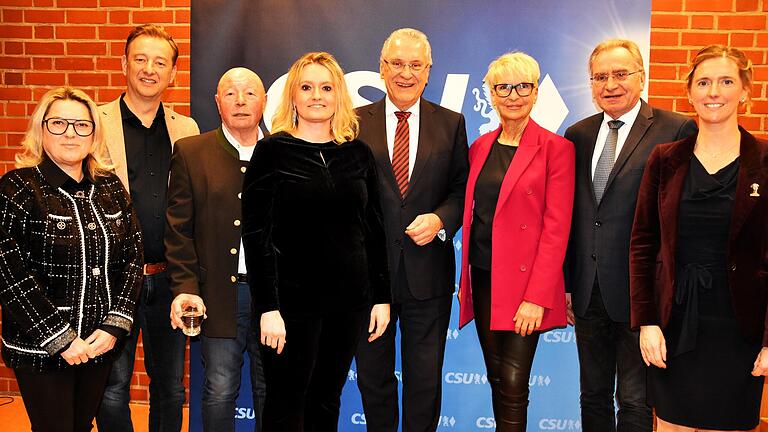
x,y
530,228
654,236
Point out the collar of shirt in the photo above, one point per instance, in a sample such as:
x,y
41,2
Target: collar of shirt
x,y
57,178
129,116
413,129
245,151
629,119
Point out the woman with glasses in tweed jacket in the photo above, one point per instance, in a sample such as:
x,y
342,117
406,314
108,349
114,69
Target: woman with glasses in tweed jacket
x,y
70,263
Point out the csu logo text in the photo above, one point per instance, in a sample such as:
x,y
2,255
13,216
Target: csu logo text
x,y
358,419
465,378
560,424
245,413
485,422
559,336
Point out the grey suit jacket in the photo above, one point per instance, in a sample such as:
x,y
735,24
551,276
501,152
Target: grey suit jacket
x,y
179,126
600,234
437,185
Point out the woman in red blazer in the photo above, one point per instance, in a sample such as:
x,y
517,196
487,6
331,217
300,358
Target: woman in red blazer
x,y
699,259
517,216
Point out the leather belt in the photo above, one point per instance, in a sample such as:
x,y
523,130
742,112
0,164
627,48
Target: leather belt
x,y
242,278
155,268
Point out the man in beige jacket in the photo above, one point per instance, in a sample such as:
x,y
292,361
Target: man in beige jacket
x,y
140,133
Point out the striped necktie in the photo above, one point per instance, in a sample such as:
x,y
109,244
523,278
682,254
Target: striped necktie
x,y
400,151
607,158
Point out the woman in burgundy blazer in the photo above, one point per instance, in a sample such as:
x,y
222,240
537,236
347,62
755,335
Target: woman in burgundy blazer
x,y
699,259
517,216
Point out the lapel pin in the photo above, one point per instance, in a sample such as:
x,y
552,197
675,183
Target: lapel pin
x,y
754,187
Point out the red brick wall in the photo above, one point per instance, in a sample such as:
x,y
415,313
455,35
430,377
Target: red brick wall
x,y
48,43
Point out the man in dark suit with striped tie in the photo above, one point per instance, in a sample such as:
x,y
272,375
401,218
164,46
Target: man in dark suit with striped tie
x,y
421,155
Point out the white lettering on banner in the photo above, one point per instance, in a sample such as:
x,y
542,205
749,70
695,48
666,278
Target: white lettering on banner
x,y
485,422
453,92
539,380
245,413
465,378
358,419
560,424
559,336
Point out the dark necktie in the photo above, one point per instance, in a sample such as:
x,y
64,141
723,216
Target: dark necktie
x,y
607,158
400,151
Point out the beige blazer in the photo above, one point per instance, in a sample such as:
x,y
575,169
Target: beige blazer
x,y
179,126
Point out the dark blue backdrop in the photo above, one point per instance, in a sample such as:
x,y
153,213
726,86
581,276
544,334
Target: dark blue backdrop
x,y
268,35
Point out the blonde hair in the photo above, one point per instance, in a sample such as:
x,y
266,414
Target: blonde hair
x,y
409,33
32,153
609,44
721,51
515,62
344,123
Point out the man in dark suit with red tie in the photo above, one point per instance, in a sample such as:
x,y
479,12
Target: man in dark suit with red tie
x,y
421,156
611,150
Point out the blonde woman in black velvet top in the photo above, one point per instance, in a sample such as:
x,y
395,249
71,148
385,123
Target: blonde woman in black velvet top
x,y
315,247
70,263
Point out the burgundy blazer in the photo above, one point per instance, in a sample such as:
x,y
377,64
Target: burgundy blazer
x,y
530,228
654,236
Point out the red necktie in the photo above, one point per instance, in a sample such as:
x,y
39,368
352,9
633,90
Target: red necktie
x,y
400,151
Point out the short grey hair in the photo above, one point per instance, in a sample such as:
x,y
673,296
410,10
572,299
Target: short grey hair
x,y
409,33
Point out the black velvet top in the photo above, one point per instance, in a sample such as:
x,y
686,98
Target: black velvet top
x,y
312,229
487,189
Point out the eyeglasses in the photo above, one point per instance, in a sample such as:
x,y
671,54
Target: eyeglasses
x,y
602,78
398,66
523,89
58,126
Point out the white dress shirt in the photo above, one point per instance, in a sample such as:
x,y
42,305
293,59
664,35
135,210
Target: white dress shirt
x,y
628,119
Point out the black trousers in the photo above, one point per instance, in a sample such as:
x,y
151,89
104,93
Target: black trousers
x,y
66,400
423,328
609,353
304,383
508,359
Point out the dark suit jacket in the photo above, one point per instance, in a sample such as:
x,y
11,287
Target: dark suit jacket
x,y
654,235
436,186
203,226
599,243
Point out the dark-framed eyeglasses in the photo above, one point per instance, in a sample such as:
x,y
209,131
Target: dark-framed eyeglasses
x,y
602,78
523,89
58,126
399,66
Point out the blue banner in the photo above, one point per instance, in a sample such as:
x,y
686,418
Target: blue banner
x,y
267,36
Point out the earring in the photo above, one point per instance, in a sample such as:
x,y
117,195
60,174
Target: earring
x,y
295,117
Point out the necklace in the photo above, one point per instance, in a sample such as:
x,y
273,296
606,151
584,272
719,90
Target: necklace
x,y
716,155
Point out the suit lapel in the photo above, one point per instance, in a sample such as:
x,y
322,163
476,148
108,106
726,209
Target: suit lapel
x,y
424,148
529,146
671,182
113,134
643,121
377,141
750,173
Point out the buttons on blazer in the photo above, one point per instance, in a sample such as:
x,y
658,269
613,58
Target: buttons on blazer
x,y
233,279
233,251
529,191
598,224
239,195
594,257
523,268
243,169
236,222
399,243
523,226
733,267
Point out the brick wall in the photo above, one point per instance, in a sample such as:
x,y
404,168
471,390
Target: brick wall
x,y
48,43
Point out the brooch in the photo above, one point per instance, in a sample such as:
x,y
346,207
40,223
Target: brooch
x,y
754,187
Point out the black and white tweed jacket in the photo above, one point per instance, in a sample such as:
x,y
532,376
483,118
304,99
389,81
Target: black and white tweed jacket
x,y
70,262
